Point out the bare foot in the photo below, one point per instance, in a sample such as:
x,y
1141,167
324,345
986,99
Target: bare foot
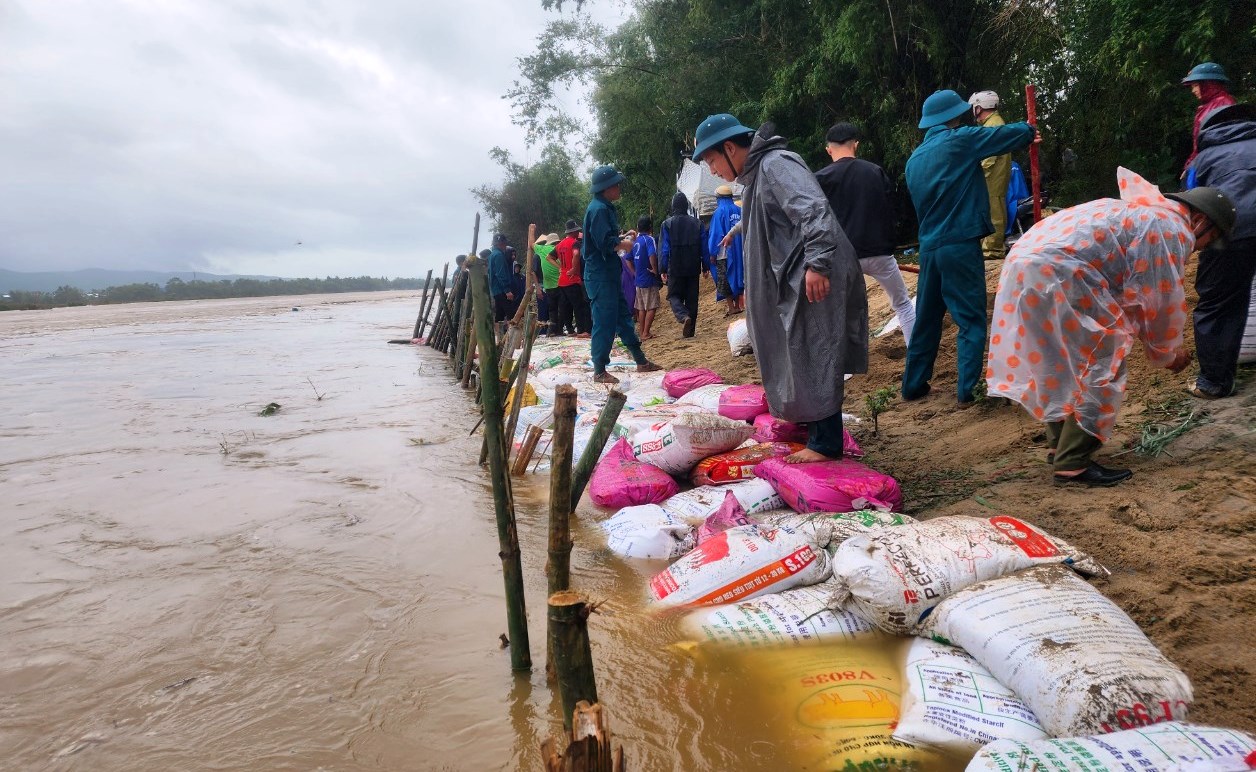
x,y
807,456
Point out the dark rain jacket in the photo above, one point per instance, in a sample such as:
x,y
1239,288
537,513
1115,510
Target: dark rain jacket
x,y
601,236
1227,161
862,197
681,244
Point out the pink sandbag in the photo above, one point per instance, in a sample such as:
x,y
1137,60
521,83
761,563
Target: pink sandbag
x,y
743,403
767,428
619,480
831,486
678,383
729,515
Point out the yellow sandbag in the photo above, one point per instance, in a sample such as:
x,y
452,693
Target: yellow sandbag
x,y
529,395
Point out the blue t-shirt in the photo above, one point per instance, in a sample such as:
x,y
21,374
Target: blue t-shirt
x,y
642,250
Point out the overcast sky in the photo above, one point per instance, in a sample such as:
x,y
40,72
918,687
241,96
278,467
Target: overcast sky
x,y
216,134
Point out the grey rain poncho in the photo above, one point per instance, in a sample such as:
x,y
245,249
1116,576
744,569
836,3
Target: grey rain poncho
x,y
803,348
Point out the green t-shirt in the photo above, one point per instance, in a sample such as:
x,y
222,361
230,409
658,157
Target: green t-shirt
x,y
549,271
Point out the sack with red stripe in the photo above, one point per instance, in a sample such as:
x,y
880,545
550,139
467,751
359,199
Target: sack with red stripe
x,y
741,563
738,465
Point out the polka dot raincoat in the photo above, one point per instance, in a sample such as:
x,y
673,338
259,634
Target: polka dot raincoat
x,y
1076,292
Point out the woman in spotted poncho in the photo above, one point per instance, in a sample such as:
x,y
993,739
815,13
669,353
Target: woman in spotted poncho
x,y
1075,293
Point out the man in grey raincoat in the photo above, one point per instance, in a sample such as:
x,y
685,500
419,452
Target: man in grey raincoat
x,y
806,307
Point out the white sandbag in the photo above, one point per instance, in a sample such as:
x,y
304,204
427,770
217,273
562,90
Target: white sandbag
x,y
698,504
648,531
896,575
651,418
1081,665
739,564
1247,349
1169,747
706,397
679,445
829,529
954,704
739,338
794,617
583,434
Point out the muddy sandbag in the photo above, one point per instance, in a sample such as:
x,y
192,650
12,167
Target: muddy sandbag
x,y
895,576
706,397
1080,664
831,486
697,504
678,383
830,529
739,338
1173,746
952,703
729,515
739,564
677,446
797,617
743,403
620,480
737,465
648,531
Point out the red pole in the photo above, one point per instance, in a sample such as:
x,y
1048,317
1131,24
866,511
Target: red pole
x,y
1031,110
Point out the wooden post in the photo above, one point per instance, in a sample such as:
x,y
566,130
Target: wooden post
x,y
427,294
521,380
447,311
436,291
558,567
524,456
527,270
438,323
589,746
569,642
601,433
1031,115
503,500
470,357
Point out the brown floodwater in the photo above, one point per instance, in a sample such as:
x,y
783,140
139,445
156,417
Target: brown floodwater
x,y
186,584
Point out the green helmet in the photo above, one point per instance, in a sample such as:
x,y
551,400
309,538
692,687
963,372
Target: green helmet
x,y
1205,71
605,177
714,130
940,107
1212,203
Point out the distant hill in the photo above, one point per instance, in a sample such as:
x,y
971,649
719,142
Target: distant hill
x,y
91,279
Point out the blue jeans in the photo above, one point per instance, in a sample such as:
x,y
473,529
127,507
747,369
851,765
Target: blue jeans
x,y
611,317
952,278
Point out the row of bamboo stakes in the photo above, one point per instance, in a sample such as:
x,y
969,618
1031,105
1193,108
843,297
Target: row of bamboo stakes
x,y
481,355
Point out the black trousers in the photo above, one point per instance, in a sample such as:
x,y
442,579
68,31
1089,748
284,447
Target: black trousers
x,y
1224,284
825,436
682,294
573,309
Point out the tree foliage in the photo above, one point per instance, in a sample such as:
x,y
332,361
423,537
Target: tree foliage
x,y
547,193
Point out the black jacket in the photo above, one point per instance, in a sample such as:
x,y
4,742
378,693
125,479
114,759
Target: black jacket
x,y
682,240
1227,161
862,197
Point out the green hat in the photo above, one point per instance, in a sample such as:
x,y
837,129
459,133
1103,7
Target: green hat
x,y
714,131
1214,205
1205,71
605,177
940,107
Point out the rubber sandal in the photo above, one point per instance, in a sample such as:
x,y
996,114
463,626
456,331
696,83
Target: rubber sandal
x,y
1195,391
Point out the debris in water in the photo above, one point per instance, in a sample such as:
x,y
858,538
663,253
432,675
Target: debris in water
x,y
176,685
270,409
505,641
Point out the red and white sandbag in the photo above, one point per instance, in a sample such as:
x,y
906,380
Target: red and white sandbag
x,y
697,504
743,403
896,575
677,446
706,397
768,428
1081,665
739,564
953,704
648,531
803,615
831,486
678,383
620,480
1173,746
729,515
737,465
829,529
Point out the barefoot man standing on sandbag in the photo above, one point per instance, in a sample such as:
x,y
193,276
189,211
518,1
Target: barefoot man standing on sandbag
x,y
806,308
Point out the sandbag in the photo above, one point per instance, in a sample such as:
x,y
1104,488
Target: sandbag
x,y
649,418
803,615
647,391
678,383
620,480
729,515
739,464
831,486
897,575
1247,349
770,429
648,531
529,396
1080,664
829,529
743,403
677,446
739,338
955,705
706,397
739,564
1173,746
697,504
584,434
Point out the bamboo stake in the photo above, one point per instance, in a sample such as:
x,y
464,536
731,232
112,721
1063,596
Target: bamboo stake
x,y
526,450
527,269
601,433
589,746
436,290
427,294
521,379
573,660
433,340
558,567
470,357
503,500
1031,110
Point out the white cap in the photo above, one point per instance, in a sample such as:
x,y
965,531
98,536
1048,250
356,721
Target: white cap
x,y
986,100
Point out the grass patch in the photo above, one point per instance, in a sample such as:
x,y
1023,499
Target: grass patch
x,y
1165,422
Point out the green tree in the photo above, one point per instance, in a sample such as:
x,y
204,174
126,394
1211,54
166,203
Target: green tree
x,y
547,193
66,295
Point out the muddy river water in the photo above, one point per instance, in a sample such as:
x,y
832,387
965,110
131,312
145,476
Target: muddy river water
x,y
186,584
